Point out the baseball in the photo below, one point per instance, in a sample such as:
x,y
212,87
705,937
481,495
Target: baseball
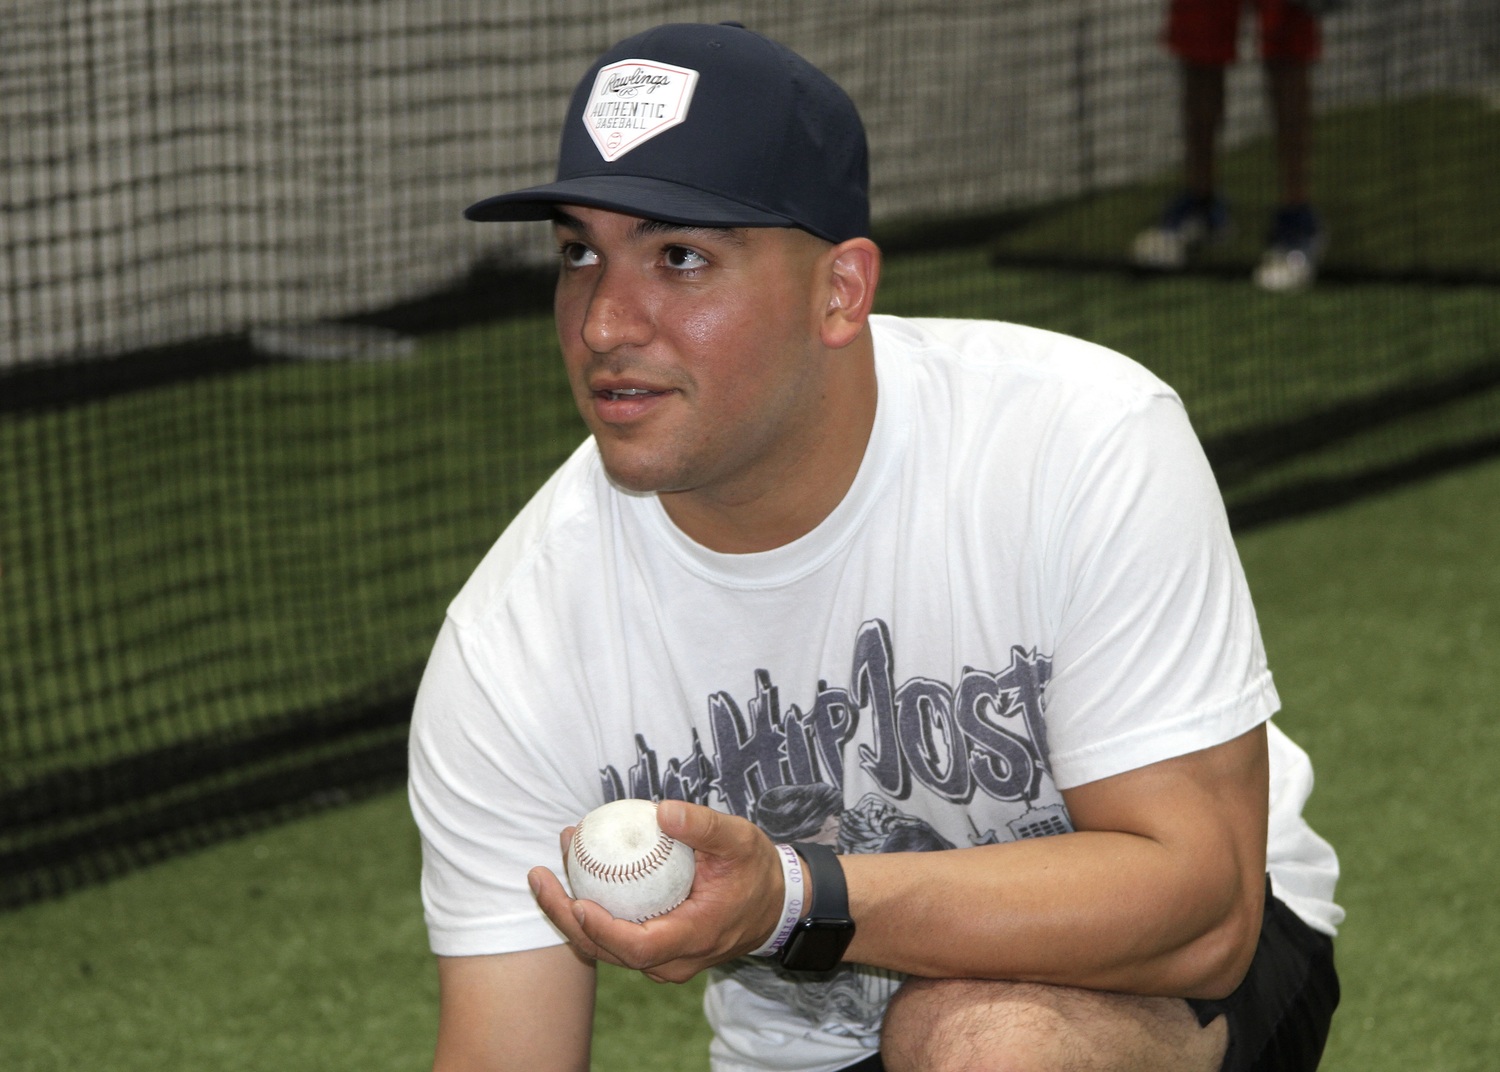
x,y
619,858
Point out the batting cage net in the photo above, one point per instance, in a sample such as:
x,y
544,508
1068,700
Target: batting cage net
x,y
265,398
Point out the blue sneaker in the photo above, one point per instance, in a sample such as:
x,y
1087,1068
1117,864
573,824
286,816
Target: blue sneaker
x,y
1293,249
1187,223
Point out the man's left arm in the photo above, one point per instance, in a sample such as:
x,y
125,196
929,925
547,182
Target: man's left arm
x,y
1158,891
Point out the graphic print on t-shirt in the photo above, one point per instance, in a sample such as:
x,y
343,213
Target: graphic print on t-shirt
x,y
911,753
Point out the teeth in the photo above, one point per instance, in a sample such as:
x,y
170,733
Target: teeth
x,y
630,392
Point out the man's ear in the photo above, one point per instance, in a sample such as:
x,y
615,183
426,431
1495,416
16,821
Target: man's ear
x,y
853,272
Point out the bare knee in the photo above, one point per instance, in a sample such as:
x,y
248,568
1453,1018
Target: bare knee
x,y
957,1025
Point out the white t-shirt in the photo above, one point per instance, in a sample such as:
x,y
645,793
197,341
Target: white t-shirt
x,y
1030,585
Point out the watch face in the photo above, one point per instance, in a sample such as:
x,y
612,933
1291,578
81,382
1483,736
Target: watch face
x,y
818,944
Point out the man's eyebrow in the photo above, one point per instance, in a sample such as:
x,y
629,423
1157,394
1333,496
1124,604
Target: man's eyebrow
x,y
571,222
646,228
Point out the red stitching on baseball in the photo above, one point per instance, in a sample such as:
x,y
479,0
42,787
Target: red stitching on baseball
x,y
621,872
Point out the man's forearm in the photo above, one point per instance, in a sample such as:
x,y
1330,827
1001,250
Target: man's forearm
x,y
1095,910
1160,892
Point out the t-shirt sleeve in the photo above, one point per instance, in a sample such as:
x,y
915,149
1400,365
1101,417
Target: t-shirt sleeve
x,y
1158,652
488,802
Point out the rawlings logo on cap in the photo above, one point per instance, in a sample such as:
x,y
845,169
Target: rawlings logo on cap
x,y
635,100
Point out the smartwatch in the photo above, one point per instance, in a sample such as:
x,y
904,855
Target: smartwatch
x,y
818,941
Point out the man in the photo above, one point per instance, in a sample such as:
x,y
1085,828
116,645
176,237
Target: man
x,y
1204,36
953,602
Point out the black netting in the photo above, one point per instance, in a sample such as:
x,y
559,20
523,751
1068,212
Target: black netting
x,y
265,397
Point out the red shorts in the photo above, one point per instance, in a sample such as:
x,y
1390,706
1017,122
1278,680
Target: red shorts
x,y
1206,32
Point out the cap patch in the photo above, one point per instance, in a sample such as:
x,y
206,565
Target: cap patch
x,y
635,100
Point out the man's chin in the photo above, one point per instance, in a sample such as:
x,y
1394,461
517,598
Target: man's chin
x,y
636,480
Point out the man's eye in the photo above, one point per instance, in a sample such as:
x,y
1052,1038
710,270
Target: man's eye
x,y
577,255
682,258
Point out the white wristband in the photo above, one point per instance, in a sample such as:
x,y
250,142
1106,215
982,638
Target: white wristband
x,y
795,885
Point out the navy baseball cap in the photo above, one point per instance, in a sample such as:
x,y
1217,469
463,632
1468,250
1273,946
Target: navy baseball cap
x,y
707,125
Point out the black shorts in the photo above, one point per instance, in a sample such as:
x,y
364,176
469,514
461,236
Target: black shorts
x,y
1279,1016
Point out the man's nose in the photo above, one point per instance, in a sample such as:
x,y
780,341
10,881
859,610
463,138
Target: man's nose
x,y
616,315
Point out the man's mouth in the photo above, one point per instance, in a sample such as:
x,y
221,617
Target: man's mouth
x,y
629,392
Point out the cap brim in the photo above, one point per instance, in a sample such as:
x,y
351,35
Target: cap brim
x,y
649,198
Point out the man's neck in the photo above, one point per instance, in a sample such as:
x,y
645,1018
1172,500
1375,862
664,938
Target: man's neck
x,y
782,507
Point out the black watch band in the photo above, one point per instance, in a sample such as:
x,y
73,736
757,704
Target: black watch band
x,y
818,941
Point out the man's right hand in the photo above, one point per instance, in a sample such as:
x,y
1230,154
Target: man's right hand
x,y
734,905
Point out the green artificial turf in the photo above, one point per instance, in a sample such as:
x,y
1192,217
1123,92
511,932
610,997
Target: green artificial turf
x,y
298,948
1382,623
303,947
